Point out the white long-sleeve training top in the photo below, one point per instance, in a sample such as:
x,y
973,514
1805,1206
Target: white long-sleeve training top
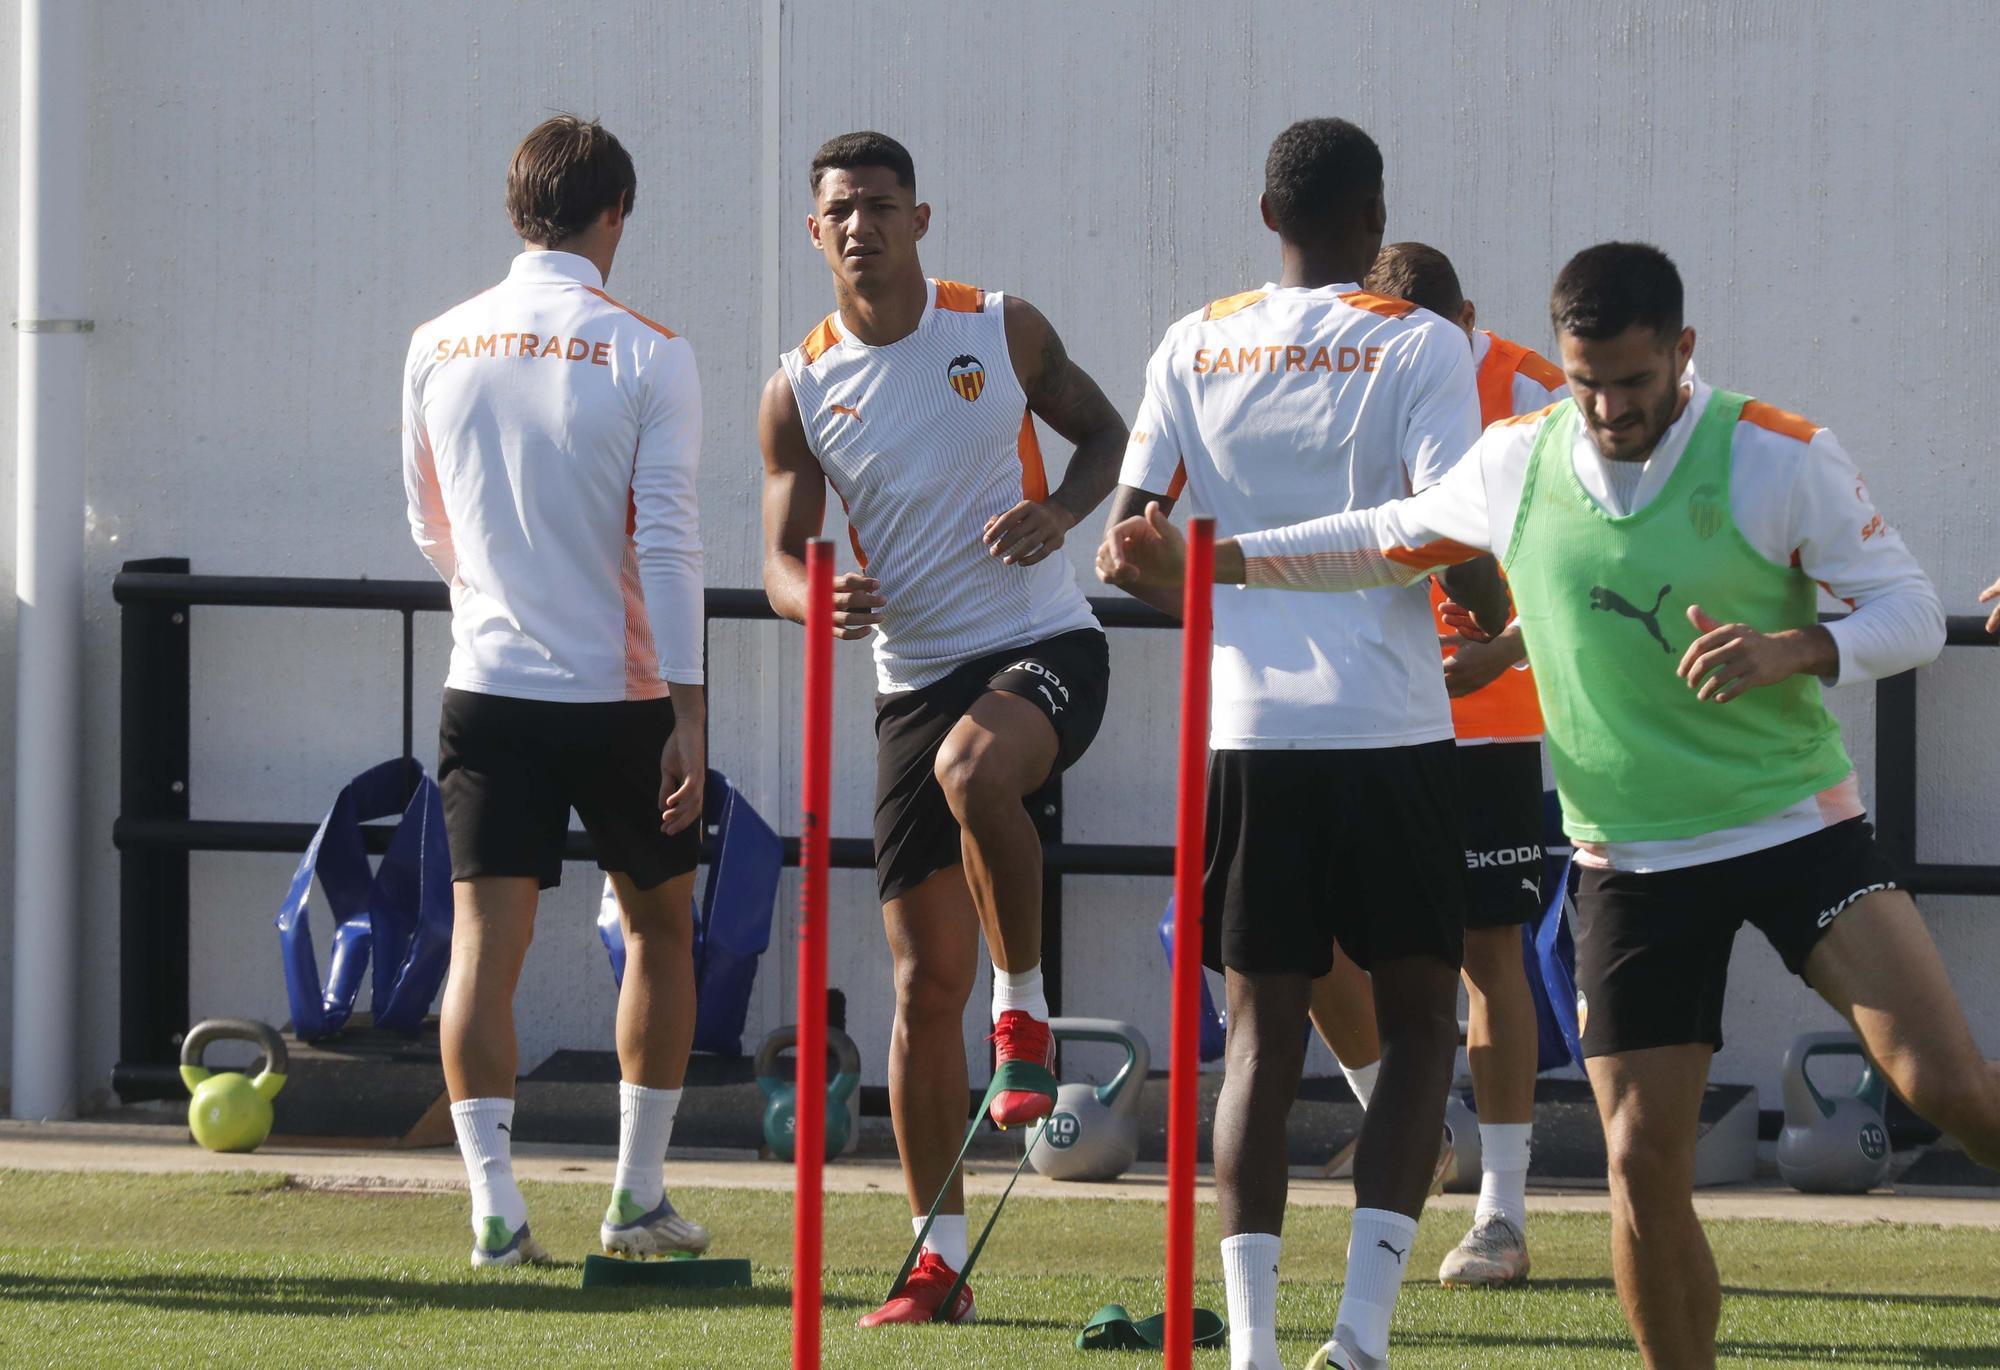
x,y
1287,401
551,441
1799,501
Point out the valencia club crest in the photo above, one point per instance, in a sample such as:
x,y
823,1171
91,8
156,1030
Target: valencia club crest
x,y
967,377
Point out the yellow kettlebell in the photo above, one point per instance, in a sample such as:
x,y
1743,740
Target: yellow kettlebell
x,y
231,1111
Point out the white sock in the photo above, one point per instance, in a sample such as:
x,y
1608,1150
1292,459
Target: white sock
x,y
1020,989
1250,1278
947,1238
1361,1079
645,1128
1377,1251
485,1130
1503,1161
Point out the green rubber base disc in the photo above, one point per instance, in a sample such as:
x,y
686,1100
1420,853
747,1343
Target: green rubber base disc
x,y
600,1272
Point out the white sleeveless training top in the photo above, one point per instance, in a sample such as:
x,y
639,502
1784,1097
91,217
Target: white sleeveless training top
x,y
924,440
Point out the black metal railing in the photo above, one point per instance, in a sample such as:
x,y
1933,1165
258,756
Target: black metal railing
x,y
155,834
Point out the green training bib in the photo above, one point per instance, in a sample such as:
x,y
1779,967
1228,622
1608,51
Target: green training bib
x,y
1603,609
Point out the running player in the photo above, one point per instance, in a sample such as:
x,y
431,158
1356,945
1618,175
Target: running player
x,y
1499,728
1332,789
914,400
1662,540
550,441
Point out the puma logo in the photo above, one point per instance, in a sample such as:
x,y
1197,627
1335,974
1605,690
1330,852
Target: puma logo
x,y
848,410
1384,1244
1613,602
1054,707
504,1128
1532,888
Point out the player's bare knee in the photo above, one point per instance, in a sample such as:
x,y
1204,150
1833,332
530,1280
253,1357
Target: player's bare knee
x,y
1259,1057
659,923
930,996
1649,1173
973,777
662,938
1418,1024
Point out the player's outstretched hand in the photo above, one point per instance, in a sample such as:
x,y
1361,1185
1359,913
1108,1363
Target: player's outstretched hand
x,y
683,776
1992,592
1143,552
1028,532
857,605
1729,659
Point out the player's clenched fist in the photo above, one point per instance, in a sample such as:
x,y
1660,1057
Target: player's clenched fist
x,y
1028,532
857,605
1142,552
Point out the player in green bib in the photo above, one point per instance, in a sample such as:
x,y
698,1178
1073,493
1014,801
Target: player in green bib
x,y
1663,540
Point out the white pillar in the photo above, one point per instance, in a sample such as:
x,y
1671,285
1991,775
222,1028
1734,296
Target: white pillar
x,y
48,581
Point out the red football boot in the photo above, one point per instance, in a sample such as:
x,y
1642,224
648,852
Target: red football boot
x,y
1024,1042
922,1294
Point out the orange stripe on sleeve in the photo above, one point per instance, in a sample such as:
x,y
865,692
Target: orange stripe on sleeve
x,y
1442,552
1781,421
659,328
959,297
1229,304
1178,483
1386,305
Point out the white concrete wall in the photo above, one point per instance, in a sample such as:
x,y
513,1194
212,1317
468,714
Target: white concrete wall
x,y
281,191
10,204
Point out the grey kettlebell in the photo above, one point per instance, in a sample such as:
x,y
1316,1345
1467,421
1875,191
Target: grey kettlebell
x,y
1832,1145
1093,1132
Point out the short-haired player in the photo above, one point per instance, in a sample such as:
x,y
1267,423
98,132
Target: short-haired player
x,y
1663,540
915,402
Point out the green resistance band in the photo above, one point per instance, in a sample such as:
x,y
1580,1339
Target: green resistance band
x,y
1028,1077
1111,1328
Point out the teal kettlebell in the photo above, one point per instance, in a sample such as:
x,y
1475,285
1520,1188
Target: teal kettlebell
x,y
1835,1145
231,1111
781,1107
1093,1131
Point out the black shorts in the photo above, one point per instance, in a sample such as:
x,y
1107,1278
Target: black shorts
x,y
1067,677
1500,801
1306,847
512,769
1652,950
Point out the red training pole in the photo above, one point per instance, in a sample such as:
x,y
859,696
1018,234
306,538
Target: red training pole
x,y
1197,625
809,1141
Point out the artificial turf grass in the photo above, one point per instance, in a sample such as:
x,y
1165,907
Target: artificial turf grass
x,y
140,1270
